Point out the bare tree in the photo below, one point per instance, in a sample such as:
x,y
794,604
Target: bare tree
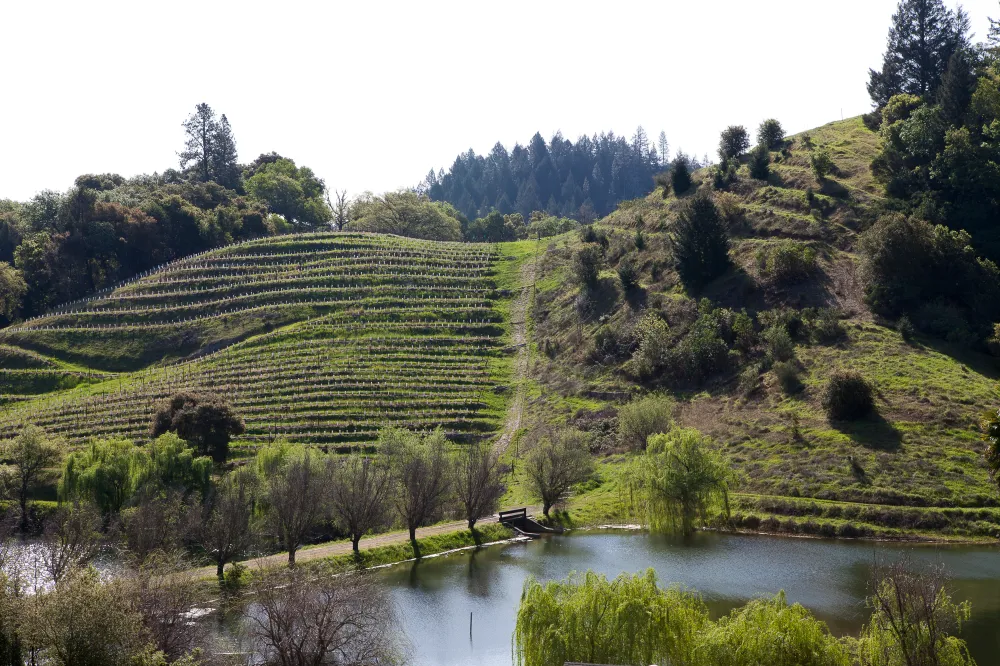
x,y
297,498
30,457
341,214
479,481
166,592
360,495
557,462
72,538
227,530
912,617
159,522
345,619
421,472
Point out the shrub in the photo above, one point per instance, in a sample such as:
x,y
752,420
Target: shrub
x,y
700,243
787,262
848,397
821,163
637,420
771,134
779,343
701,353
628,273
902,260
587,263
733,143
825,326
760,161
788,377
680,174
662,179
639,240
905,328
724,174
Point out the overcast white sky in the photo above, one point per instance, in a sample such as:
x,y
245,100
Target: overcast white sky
x,y
371,95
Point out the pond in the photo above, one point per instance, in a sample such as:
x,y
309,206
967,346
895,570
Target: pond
x,y
435,597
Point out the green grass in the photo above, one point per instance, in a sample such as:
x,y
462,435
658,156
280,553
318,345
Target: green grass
x,y
319,338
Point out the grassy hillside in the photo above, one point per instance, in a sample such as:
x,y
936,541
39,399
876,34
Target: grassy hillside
x,y
321,338
921,450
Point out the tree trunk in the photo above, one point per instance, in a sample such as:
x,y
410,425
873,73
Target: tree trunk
x,y
24,511
354,542
413,534
219,566
546,505
472,523
291,557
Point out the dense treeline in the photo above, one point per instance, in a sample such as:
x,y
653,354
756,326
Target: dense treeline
x,y
582,180
60,246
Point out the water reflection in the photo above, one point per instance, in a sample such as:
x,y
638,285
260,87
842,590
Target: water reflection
x,y
435,597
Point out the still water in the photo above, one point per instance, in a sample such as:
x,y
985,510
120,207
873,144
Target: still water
x,y
436,596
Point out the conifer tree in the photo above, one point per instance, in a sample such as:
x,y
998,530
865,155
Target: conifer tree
x,y
664,150
680,174
225,170
700,243
957,86
923,37
200,131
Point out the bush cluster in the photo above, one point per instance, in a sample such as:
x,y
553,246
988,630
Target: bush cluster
x,y
787,262
848,397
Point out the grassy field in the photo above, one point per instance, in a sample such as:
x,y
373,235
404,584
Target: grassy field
x,y
915,469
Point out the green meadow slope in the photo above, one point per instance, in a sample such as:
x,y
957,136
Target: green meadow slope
x,y
915,467
320,338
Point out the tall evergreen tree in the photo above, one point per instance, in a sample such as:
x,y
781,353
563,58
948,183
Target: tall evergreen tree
x,y
923,37
200,130
225,169
664,146
957,86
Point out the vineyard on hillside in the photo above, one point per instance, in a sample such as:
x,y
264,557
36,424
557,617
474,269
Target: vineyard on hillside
x,y
321,338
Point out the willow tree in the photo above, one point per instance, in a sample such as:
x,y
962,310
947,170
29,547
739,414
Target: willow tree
x,y
29,457
590,619
679,481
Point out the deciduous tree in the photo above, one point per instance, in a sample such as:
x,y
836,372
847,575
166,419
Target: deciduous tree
x,y
680,480
227,530
30,457
420,468
72,538
479,481
360,495
556,462
297,496
205,420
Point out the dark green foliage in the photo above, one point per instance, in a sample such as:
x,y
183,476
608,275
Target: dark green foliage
x,y
821,163
786,262
733,143
560,177
957,87
293,192
205,420
902,261
779,343
771,134
640,240
724,174
680,174
848,397
496,228
787,375
905,328
628,273
700,243
923,37
587,263
759,164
